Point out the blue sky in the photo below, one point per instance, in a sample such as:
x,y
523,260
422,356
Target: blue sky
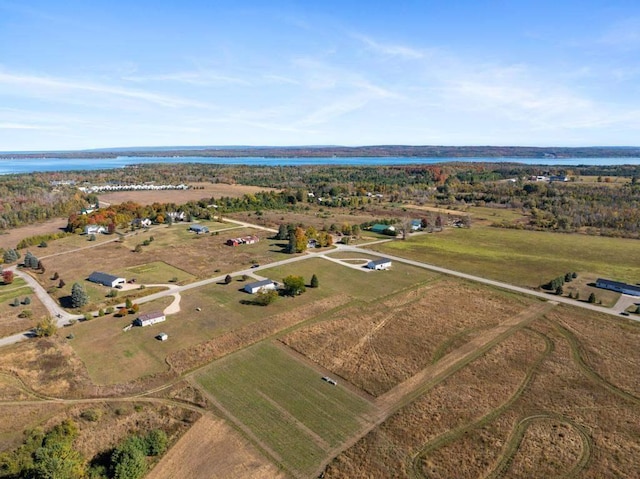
x,y
76,74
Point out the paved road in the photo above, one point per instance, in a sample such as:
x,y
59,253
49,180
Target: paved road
x,y
491,282
64,317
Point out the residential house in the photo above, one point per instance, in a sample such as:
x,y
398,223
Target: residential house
x,y
258,286
199,229
379,264
94,229
150,318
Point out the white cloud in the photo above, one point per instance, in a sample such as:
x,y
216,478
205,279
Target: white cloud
x,y
390,49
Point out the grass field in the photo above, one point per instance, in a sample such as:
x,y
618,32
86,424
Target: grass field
x,y
285,404
157,272
112,356
526,258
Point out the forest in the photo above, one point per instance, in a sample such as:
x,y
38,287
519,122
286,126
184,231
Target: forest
x,y
582,204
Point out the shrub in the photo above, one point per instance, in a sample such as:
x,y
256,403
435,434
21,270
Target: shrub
x,y
25,313
91,415
314,282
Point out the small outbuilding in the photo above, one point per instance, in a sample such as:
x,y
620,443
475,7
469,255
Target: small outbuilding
x,y
264,285
199,229
380,264
106,279
162,337
150,318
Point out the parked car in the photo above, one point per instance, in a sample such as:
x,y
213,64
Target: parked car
x,y
624,313
255,265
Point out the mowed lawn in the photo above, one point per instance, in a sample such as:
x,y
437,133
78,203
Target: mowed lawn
x,y
285,404
526,258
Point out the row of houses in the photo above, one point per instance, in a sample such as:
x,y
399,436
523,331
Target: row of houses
x,y
251,239
98,189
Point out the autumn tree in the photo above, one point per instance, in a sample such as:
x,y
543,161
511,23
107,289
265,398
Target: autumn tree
x,y
7,276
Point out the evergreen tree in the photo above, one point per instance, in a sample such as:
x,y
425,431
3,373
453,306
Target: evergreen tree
x,y
79,296
283,232
227,279
26,300
559,290
314,282
592,298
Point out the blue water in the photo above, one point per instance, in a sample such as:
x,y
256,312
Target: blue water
x,y
30,165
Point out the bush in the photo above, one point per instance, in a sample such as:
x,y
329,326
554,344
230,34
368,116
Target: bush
x,y
265,298
109,310
88,316
25,313
91,415
46,327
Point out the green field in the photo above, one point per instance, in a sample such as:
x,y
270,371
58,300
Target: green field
x,y
285,404
157,272
17,289
361,284
526,258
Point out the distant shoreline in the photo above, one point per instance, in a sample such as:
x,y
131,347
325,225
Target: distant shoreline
x,y
25,165
376,151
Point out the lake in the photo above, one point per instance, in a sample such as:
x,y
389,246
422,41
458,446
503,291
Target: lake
x,y
30,165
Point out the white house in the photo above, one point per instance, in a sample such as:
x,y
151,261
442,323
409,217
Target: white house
x,y
94,229
264,285
149,319
106,279
382,263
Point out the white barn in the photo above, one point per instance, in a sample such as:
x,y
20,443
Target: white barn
x,y
106,279
149,319
382,263
264,285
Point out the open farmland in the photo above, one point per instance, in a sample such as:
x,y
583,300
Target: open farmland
x,y
197,192
533,406
526,258
212,449
378,345
290,411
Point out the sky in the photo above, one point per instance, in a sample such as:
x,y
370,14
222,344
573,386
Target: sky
x,y
81,75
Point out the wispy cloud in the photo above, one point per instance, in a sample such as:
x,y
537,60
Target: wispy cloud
x,y
389,49
26,126
51,87
202,78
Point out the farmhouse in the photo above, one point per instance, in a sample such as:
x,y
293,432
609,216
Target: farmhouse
x,y
106,279
264,285
199,229
623,288
149,319
94,229
382,263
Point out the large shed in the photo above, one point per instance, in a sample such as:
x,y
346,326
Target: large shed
x,y
618,286
106,279
199,229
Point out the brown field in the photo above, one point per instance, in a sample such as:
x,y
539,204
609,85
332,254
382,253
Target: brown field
x,y
10,323
534,407
371,348
212,449
10,238
197,192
